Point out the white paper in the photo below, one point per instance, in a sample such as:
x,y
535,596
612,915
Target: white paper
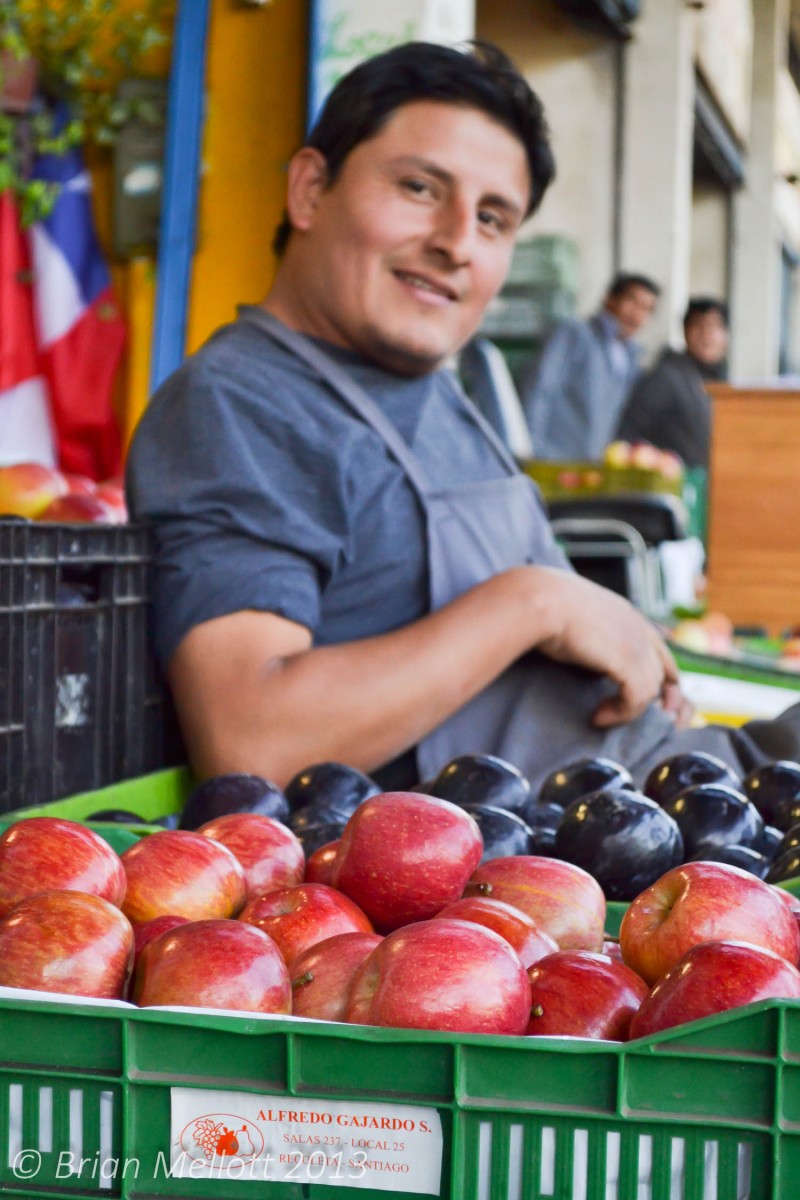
x,y
346,1143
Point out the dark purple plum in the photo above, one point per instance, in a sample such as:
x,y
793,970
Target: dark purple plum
x,y
314,836
716,814
504,833
333,784
681,771
543,820
622,838
789,841
233,793
581,778
123,816
770,842
481,779
774,788
785,866
735,856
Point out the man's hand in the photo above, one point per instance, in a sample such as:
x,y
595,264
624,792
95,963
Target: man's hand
x,y
597,629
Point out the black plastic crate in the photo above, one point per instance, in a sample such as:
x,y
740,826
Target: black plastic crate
x,y
82,703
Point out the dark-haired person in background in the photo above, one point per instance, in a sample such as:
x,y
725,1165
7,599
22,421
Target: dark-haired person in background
x,y
349,565
669,405
584,372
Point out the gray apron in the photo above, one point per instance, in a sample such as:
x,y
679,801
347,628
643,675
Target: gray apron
x,y
537,713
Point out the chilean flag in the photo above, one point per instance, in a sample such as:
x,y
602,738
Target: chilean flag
x,y
67,335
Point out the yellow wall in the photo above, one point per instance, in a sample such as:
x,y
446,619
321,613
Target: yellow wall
x,y
255,89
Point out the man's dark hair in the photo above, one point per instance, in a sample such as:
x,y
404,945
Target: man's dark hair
x,y
623,281
698,306
483,78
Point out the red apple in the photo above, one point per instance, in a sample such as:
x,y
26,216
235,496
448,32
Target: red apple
x,y
560,898
299,917
42,854
611,948
213,964
450,975
113,494
145,931
575,993
319,865
184,874
271,855
26,489
522,934
323,975
703,902
68,942
403,856
713,977
788,898
79,485
78,508
645,456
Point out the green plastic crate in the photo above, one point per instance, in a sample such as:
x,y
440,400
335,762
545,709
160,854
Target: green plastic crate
x,y
709,1111
151,797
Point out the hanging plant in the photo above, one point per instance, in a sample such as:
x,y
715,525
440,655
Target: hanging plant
x,y
71,55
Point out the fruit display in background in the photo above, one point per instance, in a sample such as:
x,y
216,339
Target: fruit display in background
x,y
80,508
700,902
41,854
213,964
404,856
735,856
714,814
27,488
621,454
521,933
449,975
622,838
334,785
233,792
299,917
563,900
712,633
319,864
183,874
322,976
680,771
112,493
712,977
67,942
575,993
580,778
774,788
503,831
270,854
480,779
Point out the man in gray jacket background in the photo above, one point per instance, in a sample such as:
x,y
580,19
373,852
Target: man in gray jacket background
x,y
581,380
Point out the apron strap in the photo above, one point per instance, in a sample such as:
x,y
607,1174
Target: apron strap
x,y
346,388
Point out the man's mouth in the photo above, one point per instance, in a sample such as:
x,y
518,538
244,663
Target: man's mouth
x,y
424,284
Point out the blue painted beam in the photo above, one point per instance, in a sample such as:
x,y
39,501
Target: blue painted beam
x,y
184,133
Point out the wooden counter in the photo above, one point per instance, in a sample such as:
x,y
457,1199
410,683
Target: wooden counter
x,y
754,506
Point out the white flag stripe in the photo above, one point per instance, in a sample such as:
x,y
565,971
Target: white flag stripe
x,y
59,303
26,432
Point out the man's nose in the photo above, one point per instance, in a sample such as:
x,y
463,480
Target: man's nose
x,y
454,232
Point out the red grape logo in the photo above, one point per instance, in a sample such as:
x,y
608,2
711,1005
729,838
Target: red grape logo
x,y
221,1139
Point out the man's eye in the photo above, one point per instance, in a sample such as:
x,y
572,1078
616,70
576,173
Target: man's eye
x,y
492,221
419,187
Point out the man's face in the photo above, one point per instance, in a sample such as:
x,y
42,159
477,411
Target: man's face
x,y
632,308
399,257
706,337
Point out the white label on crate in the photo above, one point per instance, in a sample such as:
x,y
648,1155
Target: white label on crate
x,y
291,1139
72,701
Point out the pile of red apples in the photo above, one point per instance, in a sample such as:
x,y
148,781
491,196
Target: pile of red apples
x,y
43,493
397,924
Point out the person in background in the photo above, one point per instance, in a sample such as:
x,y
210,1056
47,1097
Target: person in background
x,y
669,405
584,372
349,565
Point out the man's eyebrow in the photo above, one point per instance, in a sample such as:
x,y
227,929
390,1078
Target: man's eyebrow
x,y
446,177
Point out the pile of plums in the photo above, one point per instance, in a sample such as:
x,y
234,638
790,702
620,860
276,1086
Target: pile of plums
x,y
588,812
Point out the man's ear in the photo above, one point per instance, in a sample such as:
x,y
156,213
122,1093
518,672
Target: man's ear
x,y
308,178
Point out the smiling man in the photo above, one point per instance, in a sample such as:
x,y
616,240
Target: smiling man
x,y
349,565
